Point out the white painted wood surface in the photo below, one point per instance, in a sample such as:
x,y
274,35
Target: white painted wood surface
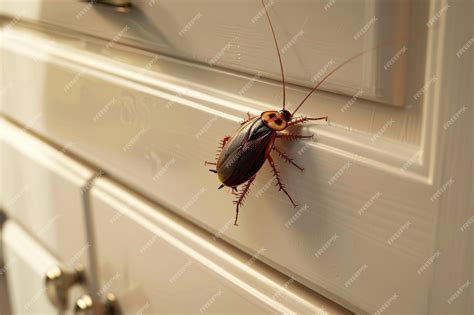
x,y
133,141
26,263
43,189
313,36
156,262
377,195
453,283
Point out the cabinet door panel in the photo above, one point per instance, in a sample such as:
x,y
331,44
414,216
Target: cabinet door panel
x,y
235,35
26,264
43,189
154,261
373,181
153,130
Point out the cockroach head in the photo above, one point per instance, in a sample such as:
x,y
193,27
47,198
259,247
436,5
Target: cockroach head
x,y
286,114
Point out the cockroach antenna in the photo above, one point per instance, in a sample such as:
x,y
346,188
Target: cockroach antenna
x,y
315,88
278,52
324,78
418,31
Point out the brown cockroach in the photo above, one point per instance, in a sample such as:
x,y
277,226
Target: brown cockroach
x,y
242,155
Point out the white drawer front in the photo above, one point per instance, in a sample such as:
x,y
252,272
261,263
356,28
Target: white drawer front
x,y
373,182
154,262
153,130
26,265
43,189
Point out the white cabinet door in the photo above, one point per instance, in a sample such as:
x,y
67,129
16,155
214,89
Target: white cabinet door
x,y
156,263
314,36
387,190
43,188
26,265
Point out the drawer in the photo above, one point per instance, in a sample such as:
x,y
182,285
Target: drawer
x,y
43,189
26,264
374,181
155,262
153,128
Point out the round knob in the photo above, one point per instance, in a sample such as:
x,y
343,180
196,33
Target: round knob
x,y
58,282
85,305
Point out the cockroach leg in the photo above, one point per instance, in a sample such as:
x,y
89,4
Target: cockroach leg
x,y
287,158
305,119
289,136
234,191
223,142
219,150
241,198
249,118
221,145
280,185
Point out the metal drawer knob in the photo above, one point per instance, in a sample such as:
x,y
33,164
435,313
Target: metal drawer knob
x,y
85,305
58,282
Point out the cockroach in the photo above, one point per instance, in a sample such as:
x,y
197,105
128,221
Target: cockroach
x,y
242,155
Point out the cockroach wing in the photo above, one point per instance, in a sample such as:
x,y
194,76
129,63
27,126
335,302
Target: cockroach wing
x,y
236,141
244,154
